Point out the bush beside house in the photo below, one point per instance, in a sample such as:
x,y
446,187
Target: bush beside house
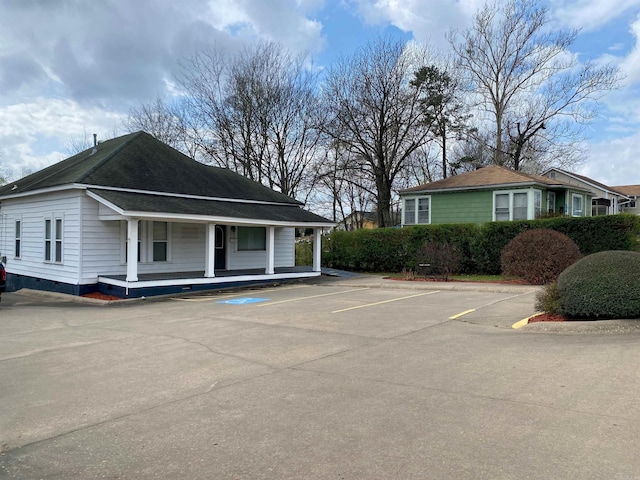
x,y
539,255
479,245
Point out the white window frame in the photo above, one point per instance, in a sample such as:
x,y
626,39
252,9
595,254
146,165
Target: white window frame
x,y
153,241
54,243
145,242
531,204
18,232
582,202
415,201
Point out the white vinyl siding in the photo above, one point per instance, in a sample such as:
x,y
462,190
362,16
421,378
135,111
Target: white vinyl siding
x,y
32,212
416,211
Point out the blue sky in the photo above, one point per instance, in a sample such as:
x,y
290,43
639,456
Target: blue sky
x,y
69,68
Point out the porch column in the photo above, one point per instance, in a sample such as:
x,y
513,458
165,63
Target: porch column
x,y
209,269
271,253
132,250
317,248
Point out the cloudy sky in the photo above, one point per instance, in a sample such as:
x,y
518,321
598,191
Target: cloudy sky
x,y
69,68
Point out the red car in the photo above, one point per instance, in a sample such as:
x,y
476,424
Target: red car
x,y
3,279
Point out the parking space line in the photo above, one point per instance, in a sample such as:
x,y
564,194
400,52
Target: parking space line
x,y
311,296
458,315
385,301
215,296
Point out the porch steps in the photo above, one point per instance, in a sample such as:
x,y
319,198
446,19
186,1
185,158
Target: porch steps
x,y
333,272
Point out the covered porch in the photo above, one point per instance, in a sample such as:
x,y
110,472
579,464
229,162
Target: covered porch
x,y
150,284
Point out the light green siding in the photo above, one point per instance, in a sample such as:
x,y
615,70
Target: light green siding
x,y
462,207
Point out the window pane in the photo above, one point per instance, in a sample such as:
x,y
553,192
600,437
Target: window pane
x,y
520,206
252,238
17,248
219,237
502,206
58,229
577,206
58,251
159,251
159,230
410,211
537,203
18,229
47,229
47,250
423,210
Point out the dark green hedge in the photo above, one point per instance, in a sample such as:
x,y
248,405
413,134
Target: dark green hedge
x,y
602,285
480,245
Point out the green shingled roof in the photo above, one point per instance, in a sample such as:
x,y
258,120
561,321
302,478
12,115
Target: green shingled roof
x,y
138,161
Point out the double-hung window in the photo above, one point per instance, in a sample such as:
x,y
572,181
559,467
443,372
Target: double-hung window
x,y
417,211
18,237
410,211
516,204
160,241
53,240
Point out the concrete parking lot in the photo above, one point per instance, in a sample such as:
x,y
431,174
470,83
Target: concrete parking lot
x,y
354,379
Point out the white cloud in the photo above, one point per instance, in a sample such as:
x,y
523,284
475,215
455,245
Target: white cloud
x,y
590,15
614,162
36,134
428,20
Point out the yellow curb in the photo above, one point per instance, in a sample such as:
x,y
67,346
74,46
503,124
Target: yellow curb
x,y
524,321
461,314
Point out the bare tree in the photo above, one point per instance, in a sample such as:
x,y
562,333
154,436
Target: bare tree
x,y
168,122
255,113
376,114
526,78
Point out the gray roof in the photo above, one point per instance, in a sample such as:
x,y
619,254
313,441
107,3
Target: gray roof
x,y
138,161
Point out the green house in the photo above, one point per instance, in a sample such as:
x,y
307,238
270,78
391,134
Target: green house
x,y
492,194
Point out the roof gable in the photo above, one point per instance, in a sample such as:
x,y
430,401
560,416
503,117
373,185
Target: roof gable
x,y
588,181
138,161
492,175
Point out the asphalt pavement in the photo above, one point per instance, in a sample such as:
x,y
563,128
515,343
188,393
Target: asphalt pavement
x,y
356,378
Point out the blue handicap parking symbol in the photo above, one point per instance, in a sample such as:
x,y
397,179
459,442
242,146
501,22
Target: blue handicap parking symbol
x,y
243,300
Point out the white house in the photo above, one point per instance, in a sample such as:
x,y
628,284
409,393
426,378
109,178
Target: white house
x,y
133,217
605,200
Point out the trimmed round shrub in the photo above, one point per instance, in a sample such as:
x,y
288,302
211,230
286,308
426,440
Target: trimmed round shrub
x,y
602,285
539,256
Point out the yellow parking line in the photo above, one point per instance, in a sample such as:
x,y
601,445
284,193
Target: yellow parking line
x,y
312,296
523,322
385,301
461,314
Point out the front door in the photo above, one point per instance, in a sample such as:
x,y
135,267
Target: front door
x,y
221,248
